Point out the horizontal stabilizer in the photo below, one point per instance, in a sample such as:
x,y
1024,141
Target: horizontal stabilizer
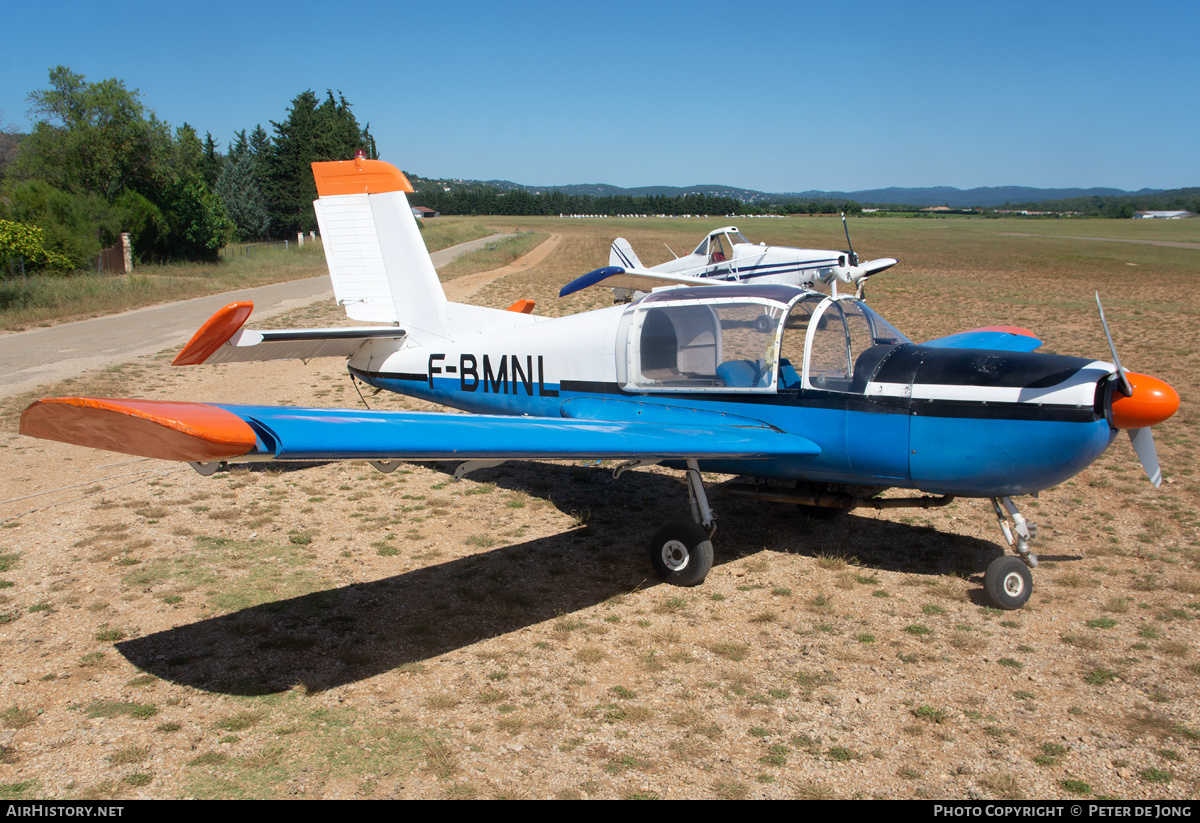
x,y
202,432
996,338
223,340
298,344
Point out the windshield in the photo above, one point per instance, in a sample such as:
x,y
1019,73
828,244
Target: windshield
x,y
841,351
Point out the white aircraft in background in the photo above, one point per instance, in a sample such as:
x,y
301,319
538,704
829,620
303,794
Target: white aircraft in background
x,y
726,256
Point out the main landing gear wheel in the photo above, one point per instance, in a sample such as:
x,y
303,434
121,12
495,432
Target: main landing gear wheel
x,y
1008,582
681,554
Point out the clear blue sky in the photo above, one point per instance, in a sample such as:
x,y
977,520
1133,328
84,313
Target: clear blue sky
x,y
775,96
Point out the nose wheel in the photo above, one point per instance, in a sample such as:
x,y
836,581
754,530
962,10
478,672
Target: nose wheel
x,y
1008,582
681,554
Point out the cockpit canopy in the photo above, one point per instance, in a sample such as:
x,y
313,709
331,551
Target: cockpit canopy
x,y
752,339
718,246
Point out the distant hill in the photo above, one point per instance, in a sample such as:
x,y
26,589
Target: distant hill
x,y
985,196
605,190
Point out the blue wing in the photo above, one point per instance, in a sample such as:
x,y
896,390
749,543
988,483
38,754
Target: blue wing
x,y
631,278
203,432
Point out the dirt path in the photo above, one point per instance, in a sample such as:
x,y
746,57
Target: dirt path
x,y
40,356
462,288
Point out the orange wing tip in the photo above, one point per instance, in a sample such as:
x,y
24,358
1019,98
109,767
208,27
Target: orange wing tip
x,y
1008,329
1152,402
522,306
167,430
358,177
215,332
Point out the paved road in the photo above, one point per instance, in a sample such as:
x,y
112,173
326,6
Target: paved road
x,y
33,358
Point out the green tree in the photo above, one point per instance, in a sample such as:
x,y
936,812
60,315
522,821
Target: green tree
x,y
98,162
312,132
239,190
197,221
211,167
95,138
73,225
24,242
189,153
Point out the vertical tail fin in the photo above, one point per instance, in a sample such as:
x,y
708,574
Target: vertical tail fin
x,y
378,262
621,254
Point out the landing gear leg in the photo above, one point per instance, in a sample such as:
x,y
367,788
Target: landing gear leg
x,y
701,512
1007,580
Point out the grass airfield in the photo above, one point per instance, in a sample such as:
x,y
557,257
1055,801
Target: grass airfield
x,y
336,632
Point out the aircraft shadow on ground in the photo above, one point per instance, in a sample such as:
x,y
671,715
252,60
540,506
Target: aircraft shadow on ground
x,y
343,635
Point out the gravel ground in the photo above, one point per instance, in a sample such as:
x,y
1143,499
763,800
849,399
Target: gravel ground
x,y
335,632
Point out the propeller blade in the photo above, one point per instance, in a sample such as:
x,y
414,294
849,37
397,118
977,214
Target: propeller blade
x,y
853,256
1143,444
1126,388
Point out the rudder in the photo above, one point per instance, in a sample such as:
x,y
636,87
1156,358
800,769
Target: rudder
x,y
377,260
621,255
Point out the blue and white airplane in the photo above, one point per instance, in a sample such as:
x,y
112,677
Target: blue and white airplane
x,y
774,382
725,256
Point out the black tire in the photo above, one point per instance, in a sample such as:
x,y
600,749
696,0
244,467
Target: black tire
x,y
763,323
1008,582
681,554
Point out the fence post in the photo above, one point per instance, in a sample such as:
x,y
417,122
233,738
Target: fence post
x,y
127,251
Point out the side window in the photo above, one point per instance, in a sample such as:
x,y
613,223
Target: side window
x,y
708,346
716,250
677,347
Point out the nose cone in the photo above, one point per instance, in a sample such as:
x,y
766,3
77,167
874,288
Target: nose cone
x,y
1152,401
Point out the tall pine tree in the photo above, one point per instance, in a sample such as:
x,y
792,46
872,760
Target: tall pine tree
x,y
312,132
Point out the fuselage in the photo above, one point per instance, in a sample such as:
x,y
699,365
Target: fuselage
x,y
749,263
884,411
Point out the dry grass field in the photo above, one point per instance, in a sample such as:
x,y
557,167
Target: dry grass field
x,y
333,632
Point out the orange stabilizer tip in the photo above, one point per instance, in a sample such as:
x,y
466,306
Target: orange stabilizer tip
x,y
214,333
522,306
358,177
168,430
1152,401
1008,329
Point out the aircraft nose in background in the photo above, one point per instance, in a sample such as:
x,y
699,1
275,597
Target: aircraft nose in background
x,y
1152,402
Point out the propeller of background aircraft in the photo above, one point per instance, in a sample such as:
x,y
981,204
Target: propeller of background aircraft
x,y
858,274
